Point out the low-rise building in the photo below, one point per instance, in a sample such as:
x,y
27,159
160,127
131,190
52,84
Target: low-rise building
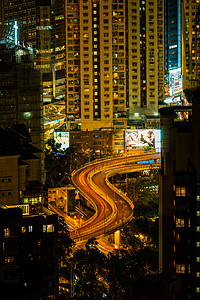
x,y
21,170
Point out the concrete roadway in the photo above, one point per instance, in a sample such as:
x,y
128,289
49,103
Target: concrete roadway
x,y
113,208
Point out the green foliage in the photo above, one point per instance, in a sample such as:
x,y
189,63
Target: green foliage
x,y
145,197
59,164
56,165
148,148
125,266
88,271
142,189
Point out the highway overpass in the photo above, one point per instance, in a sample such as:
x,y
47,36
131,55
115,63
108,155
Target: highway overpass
x,y
112,208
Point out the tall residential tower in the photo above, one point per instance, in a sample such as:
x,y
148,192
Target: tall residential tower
x,y
96,64
190,25
145,58
35,22
173,70
179,188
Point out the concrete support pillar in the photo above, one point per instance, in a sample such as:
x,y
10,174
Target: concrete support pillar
x,y
117,238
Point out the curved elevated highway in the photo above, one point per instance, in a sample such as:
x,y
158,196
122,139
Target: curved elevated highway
x,y
112,208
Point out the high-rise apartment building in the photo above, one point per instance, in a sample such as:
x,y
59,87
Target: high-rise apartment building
x,y
96,64
145,57
55,113
35,24
60,52
114,62
179,207
190,24
173,76
1,17
20,92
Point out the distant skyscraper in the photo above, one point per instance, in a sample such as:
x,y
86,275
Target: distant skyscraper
x,y
1,17
35,21
60,49
145,57
172,35
190,24
20,91
96,64
173,77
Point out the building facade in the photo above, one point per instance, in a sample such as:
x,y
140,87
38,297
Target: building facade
x,y
179,207
35,22
20,92
95,64
21,169
28,251
173,70
190,17
145,58
60,52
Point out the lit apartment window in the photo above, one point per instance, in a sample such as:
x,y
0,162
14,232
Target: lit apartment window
x,y
177,237
198,244
197,274
9,259
23,229
180,268
180,222
50,228
197,259
198,213
180,191
197,289
198,198
6,232
30,228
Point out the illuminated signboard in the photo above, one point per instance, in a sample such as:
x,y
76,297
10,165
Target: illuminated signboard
x,y
140,138
62,138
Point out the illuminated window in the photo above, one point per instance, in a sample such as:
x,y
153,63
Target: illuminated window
x,y
180,191
197,274
198,213
30,228
197,259
23,229
6,232
198,198
9,259
48,228
180,222
180,268
177,237
198,244
197,289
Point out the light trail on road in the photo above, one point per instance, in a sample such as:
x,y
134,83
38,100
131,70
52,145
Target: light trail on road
x,y
112,208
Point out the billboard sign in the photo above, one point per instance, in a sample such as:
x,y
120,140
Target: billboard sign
x,y
62,137
140,138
